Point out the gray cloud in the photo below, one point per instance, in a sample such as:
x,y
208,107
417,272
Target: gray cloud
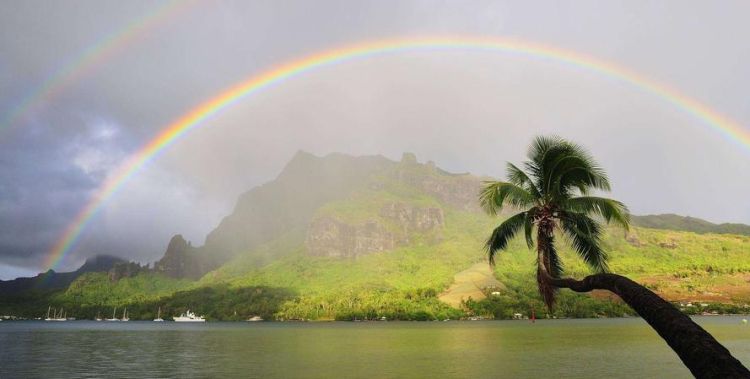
x,y
468,111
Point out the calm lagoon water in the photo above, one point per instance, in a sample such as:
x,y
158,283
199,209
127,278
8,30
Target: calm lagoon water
x,y
612,348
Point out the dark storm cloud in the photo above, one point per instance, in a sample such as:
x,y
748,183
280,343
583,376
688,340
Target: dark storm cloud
x,y
39,190
472,106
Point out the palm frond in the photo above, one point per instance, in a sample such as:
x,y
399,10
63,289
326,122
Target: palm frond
x,y
574,167
582,176
521,179
541,146
584,234
496,194
610,210
543,152
504,233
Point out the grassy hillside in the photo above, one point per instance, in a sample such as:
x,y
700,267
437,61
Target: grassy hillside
x,y
405,283
682,266
414,228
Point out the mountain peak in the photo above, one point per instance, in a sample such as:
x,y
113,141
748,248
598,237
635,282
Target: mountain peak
x,y
99,263
409,158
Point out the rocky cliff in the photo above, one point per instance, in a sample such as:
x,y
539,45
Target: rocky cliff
x,y
394,226
457,190
182,260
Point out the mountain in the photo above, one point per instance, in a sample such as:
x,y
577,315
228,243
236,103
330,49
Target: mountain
x,y
690,224
342,237
52,280
286,206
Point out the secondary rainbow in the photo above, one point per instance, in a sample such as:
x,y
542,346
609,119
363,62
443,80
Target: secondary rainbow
x,y
172,132
94,56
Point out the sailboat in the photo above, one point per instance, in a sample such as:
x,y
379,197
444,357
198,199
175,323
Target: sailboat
x,y
158,316
125,315
113,316
55,316
98,316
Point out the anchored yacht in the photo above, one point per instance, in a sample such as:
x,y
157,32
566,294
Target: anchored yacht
x,y
189,317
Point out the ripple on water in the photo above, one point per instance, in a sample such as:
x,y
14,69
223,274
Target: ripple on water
x,y
615,348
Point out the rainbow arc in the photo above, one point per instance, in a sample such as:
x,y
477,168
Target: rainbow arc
x,y
254,84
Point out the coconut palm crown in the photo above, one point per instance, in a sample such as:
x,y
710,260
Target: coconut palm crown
x,y
554,188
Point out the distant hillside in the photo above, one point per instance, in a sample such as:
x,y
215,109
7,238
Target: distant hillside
x,y
689,224
51,280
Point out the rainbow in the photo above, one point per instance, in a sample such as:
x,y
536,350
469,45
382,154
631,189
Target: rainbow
x,y
92,57
184,124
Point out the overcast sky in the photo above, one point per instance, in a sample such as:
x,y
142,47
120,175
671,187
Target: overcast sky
x,y
465,110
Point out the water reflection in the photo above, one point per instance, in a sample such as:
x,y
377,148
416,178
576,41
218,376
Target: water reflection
x,y
559,348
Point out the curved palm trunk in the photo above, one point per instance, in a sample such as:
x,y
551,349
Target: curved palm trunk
x,y
698,350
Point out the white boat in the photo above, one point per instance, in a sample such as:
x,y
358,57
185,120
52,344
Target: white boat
x,y
113,316
125,315
255,319
98,316
158,316
189,317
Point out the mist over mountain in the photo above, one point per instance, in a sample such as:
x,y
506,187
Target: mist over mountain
x,y
282,206
345,237
286,206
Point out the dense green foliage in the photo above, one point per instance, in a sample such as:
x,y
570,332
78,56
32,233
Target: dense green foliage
x,y
404,283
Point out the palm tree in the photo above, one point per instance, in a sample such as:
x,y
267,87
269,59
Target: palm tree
x,y
554,194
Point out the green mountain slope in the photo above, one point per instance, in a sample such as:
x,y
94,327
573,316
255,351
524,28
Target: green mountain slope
x,y
271,210
408,278
339,237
